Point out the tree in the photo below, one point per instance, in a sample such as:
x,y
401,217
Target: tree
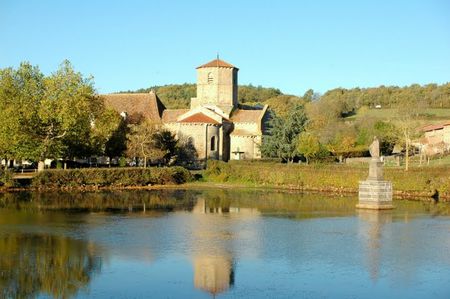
x,y
186,153
165,141
53,114
309,95
341,146
281,105
108,135
308,145
141,142
283,134
9,123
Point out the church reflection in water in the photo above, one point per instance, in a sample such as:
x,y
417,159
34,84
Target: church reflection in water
x,y
213,260
371,232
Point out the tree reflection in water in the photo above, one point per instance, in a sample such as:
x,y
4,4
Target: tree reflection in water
x,y
37,264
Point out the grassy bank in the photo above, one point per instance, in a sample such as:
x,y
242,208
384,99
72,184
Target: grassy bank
x,y
110,177
322,177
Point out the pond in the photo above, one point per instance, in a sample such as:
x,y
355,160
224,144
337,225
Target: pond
x,y
219,243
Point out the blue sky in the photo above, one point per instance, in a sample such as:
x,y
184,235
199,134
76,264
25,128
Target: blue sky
x,y
291,45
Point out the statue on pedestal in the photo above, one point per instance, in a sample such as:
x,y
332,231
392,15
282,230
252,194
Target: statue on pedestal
x,y
374,148
375,192
375,166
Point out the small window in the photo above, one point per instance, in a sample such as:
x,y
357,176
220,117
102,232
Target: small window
x,y
213,143
210,78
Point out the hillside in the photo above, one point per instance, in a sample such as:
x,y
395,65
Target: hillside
x,y
179,95
432,100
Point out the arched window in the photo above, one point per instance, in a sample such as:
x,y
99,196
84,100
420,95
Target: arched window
x,y
210,78
213,143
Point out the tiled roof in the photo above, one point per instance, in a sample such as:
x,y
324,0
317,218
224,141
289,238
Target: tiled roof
x,y
251,116
199,118
136,105
171,115
217,63
436,126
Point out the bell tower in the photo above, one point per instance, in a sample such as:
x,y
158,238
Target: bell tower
x,y
217,85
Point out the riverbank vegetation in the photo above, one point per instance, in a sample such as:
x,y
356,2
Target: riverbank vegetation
x,y
110,177
419,181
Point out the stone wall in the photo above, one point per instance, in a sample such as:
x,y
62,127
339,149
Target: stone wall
x,y
201,136
248,146
248,127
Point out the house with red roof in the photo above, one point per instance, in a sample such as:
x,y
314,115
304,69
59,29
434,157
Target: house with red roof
x,y
436,139
215,124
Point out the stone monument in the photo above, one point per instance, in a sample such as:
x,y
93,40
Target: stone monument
x,y
375,193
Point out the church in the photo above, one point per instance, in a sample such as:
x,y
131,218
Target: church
x,y
217,126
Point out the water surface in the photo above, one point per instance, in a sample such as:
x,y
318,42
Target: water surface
x,y
235,244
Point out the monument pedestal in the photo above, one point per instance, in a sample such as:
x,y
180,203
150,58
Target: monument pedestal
x,y
375,193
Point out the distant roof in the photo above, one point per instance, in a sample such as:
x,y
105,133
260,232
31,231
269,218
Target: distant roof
x,y
199,118
251,116
432,128
136,105
171,115
217,63
436,126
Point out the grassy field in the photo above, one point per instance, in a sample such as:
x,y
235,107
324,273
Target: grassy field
x,y
429,115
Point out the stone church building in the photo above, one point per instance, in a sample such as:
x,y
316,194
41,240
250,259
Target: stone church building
x,y
215,123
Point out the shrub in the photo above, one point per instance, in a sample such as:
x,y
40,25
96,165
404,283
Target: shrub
x,y
6,179
104,177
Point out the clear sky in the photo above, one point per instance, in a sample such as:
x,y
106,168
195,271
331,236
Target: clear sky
x,y
291,45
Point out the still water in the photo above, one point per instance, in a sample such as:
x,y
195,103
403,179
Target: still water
x,y
222,243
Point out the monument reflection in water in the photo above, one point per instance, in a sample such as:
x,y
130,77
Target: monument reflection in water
x,y
371,233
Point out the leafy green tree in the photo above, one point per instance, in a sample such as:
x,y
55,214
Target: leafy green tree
x,y
54,113
9,118
186,153
388,134
308,145
166,142
281,142
108,134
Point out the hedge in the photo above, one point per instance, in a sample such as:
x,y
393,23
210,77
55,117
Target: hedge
x,y
111,177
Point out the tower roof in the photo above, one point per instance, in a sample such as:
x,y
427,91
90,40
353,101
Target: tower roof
x,y
217,63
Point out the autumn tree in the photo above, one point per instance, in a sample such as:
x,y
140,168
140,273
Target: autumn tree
x,y
141,142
